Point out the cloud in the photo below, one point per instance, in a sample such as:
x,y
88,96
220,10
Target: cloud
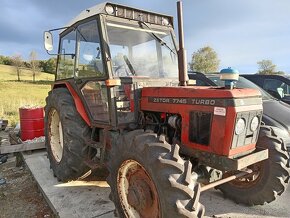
x,y
241,31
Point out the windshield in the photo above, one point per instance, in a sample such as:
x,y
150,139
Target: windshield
x,y
136,51
242,83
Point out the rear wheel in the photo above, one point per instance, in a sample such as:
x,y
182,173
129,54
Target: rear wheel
x,y
148,178
269,178
66,135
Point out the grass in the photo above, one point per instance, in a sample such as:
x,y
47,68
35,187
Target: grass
x,y
14,94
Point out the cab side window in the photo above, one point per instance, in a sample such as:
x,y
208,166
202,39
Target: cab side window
x,y
66,58
89,55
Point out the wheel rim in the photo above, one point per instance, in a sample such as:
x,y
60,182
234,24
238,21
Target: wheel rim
x,y
55,135
251,179
137,192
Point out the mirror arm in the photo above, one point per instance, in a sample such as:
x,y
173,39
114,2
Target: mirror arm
x,y
51,53
61,28
57,54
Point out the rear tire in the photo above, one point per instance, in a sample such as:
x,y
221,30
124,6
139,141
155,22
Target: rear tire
x,y
273,173
162,183
66,134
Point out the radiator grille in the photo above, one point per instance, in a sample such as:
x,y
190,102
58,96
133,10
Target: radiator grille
x,y
199,127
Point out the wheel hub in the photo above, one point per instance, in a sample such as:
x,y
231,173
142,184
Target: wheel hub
x,y
251,179
137,192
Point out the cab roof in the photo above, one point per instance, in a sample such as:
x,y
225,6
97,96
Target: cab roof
x,y
124,12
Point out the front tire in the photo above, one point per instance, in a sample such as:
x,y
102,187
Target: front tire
x,y
272,175
148,178
66,134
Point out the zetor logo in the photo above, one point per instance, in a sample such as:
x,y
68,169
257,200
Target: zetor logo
x,y
196,101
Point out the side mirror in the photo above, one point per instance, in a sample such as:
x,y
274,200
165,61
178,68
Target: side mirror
x,y
48,41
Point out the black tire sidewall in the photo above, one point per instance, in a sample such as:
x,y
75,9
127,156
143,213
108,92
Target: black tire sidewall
x,y
157,171
71,165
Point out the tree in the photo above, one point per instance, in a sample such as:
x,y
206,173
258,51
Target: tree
x,y
48,66
2,58
205,60
266,67
17,63
5,60
33,63
280,73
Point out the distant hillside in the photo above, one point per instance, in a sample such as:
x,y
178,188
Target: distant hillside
x,y
8,73
14,94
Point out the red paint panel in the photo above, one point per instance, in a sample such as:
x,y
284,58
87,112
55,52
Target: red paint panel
x,y
222,126
199,92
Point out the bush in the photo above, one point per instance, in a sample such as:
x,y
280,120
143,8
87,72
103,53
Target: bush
x,y
6,60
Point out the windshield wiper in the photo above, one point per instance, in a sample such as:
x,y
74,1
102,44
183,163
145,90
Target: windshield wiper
x,y
161,41
127,61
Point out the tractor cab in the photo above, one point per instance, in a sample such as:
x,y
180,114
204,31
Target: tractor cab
x,y
108,47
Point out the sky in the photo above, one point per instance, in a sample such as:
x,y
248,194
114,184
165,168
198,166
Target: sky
x,y
242,32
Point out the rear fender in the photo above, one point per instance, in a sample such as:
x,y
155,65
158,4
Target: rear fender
x,y
78,102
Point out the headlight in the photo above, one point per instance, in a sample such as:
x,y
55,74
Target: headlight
x,y
165,21
110,9
240,126
254,124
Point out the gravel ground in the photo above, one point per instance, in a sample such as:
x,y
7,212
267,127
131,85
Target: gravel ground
x,y
20,196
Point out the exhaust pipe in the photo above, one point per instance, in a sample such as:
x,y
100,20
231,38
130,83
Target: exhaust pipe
x,y
182,60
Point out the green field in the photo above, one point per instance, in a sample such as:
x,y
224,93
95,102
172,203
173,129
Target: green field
x,y
14,94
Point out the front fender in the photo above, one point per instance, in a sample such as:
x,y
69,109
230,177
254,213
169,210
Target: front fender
x,y
78,101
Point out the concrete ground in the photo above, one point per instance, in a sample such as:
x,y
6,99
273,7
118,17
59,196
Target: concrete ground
x,y
72,199
90,198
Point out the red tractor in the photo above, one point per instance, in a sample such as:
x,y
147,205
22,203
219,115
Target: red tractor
x,y
117,103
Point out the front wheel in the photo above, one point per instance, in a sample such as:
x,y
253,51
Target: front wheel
x,y
148,178
269,178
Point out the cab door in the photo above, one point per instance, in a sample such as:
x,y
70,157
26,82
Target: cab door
x,y
90,71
